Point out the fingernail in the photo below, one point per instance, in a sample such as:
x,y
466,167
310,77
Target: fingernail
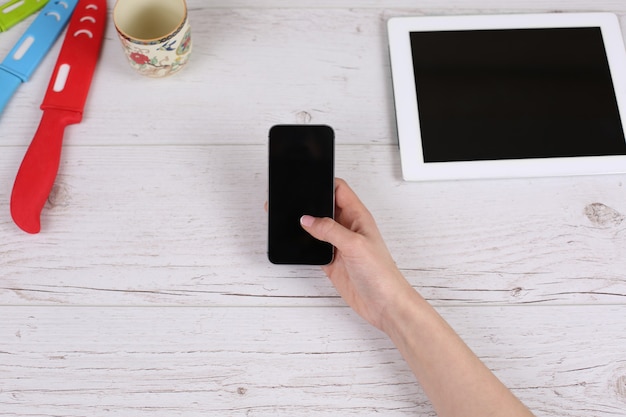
x,y
307,220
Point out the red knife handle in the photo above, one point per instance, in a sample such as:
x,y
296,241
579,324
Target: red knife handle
x,y
78,57
39,168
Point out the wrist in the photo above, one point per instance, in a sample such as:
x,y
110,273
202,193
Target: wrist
x,y
401,313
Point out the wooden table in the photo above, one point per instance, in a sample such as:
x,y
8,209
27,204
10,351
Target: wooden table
x,y
148,291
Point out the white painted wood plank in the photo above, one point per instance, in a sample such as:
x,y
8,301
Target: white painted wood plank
x,y
185,225
447,5
159,203
252,67
565,361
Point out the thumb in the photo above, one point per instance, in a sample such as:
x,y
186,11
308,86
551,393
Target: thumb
x,y
326,230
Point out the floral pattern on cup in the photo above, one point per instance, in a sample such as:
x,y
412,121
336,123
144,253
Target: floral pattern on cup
x,y
157,60
149,51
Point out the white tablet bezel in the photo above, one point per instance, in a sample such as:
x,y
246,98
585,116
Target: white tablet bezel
x,y
407,114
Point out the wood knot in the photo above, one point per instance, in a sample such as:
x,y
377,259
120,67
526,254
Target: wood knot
x,y
59,196
241,391
620,388
303,117
602,215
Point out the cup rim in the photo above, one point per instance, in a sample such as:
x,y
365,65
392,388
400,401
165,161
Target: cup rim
x,y
158,39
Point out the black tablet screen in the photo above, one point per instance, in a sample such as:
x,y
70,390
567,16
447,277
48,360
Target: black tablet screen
x,y
514,94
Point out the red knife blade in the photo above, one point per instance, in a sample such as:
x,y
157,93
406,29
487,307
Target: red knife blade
x,y
62,105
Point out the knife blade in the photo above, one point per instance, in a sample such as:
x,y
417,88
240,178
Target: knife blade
x,y
14,11
22,61
62,105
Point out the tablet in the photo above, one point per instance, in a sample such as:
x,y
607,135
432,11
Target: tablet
x,y
507,96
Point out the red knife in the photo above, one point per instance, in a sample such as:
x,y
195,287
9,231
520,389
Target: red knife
x,y
62,105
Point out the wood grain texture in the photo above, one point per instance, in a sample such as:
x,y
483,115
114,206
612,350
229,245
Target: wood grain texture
x,y
77,361
148,291
252,67
185,225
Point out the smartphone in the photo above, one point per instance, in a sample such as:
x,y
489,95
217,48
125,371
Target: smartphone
x,y
301,181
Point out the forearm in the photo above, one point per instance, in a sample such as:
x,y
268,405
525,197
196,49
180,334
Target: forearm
x,y
455,380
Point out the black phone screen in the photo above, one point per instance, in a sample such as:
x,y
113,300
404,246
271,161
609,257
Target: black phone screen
x,y
301,181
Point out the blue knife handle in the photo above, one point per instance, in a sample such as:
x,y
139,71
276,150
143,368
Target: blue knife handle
x,y
33,46
8,85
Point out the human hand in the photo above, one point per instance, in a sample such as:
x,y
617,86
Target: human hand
x,y
363,271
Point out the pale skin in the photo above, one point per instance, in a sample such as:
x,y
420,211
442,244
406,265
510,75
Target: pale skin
x,y
367,278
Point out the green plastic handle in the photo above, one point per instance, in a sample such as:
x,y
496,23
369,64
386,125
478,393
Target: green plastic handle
x,y
15,11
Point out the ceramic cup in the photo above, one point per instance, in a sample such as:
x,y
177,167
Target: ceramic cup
x,y
155,34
